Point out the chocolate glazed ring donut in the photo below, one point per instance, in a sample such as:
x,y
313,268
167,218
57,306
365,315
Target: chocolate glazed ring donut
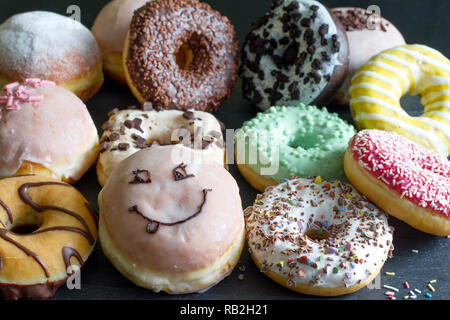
x,y
45,226
181,55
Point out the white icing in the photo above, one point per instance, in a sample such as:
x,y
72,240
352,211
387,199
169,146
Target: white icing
x,y
308,92
373,251
162,126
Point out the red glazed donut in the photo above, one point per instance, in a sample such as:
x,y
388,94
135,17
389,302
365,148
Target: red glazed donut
x,y
181,55
403,178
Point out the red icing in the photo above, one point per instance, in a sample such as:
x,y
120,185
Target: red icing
x,y
414,172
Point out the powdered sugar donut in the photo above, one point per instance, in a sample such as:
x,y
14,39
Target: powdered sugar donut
x,y
403,178
318,237
46,45
297,52
45,130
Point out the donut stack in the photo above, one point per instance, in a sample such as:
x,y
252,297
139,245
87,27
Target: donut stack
x,y
171,216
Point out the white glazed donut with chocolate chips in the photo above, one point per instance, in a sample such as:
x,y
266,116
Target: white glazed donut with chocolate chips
x,y
318,237
129,131
297,52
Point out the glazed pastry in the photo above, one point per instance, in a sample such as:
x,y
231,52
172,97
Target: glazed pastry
x,y
299,141
110,29
368,34
129,131
46,228
171,220
46,130
410,69
46,45
405,179
318,237
297,52
181,54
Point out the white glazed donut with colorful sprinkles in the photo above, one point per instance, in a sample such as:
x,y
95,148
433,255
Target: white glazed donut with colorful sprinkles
x,y
403,178
318,237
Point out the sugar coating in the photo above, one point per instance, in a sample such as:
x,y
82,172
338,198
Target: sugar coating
x,y
301,140
413,171
46,45
359,237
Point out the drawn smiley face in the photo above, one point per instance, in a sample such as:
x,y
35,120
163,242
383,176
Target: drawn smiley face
x,y
180,173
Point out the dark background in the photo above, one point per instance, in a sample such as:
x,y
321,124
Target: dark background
x,y
420,21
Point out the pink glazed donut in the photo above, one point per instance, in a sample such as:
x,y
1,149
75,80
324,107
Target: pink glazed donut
x,y
171,220
403,178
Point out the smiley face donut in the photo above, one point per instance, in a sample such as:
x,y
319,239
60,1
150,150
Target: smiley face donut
x,y
46,228
46,45
181,54
403,178
297,52
171,220
317,237
129,131
377,87
46,130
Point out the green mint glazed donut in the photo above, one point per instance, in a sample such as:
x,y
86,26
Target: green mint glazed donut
x,y
300,141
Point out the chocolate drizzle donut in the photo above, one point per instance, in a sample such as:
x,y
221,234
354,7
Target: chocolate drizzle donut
x,y
181,55
297,52
50,235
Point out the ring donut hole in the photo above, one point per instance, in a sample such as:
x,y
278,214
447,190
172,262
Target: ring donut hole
x,y
412,105
307,140
317,234
27,223
193,54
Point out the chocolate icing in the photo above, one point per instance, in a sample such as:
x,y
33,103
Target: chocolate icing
x,y
153,225
67,253
8,212
28,252
180,172
48,289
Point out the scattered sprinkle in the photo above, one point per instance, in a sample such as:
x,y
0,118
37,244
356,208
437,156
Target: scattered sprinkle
x,y
390,273
406,285
417,290
433,281
390,288
318,180
428,295
431,287
414,251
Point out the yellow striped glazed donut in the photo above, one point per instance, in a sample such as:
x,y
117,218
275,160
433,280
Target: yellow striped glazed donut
x,y
377,87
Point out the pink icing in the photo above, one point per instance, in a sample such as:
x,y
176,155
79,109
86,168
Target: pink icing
x,y
16,94
414,172
45,124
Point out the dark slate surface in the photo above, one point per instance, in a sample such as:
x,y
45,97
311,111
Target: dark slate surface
x,y
420,21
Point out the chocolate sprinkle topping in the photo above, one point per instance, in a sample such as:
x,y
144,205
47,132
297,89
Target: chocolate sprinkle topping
x,y
141,176
158,32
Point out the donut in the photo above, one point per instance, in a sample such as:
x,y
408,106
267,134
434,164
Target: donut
x,y
283,142
368,34
110,29
46,45
407,180
317,237
181,54
297,52
171,220
377,87
129,131
46,226
46,130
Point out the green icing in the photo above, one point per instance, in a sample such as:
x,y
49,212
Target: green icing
x,y
310,141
